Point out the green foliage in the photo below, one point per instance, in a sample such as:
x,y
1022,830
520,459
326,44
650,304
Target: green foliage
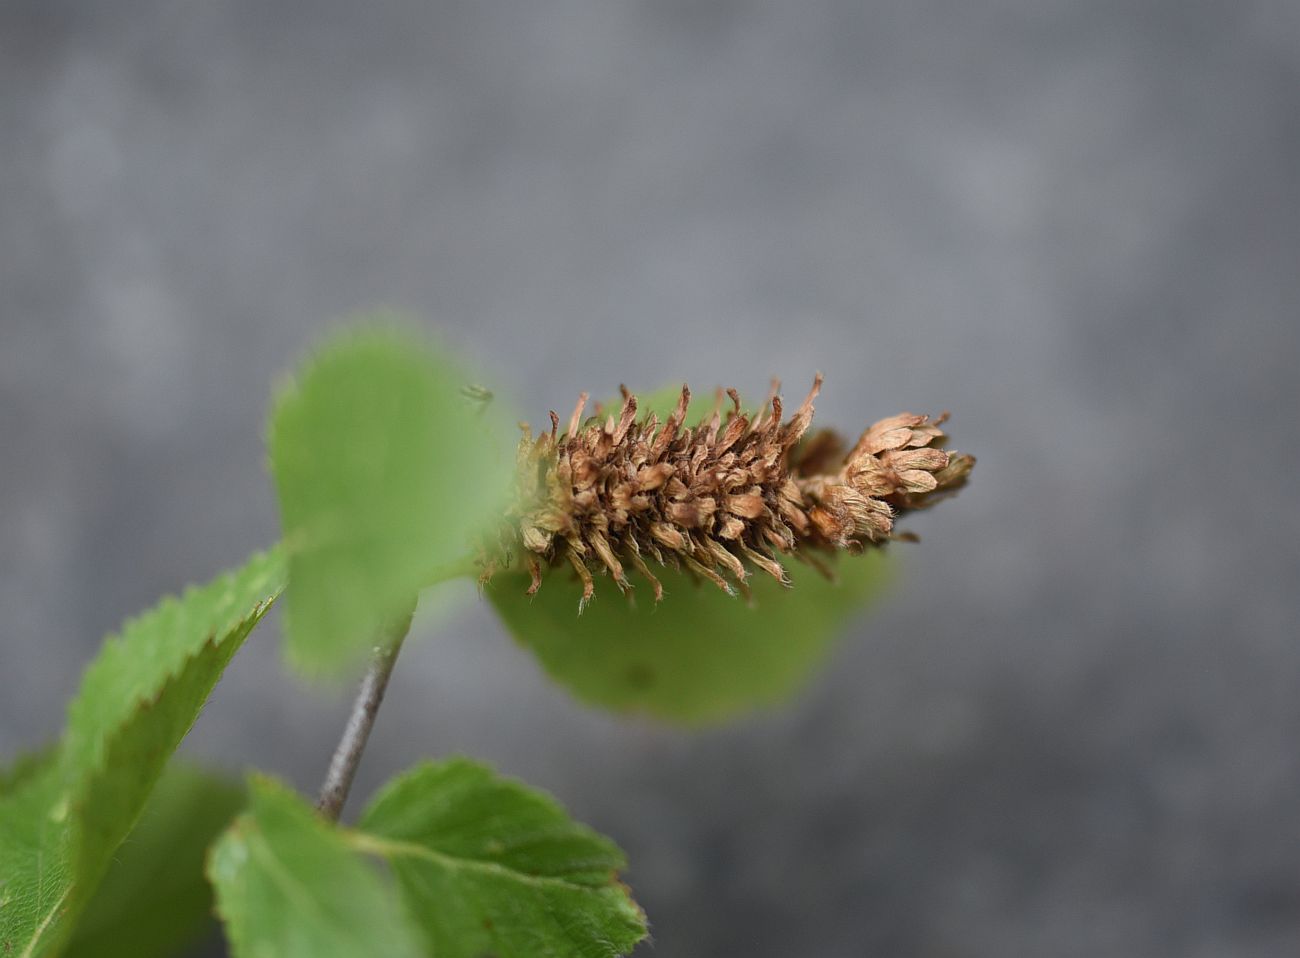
x,y
485,866
386,477
154,898
34,872
60,827
489,867
26,767
385,472
699,655
289,886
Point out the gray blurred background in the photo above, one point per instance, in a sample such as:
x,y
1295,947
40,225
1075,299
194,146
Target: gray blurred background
x,y
1070,730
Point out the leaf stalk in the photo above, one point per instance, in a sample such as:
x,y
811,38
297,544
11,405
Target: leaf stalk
x,y
347,754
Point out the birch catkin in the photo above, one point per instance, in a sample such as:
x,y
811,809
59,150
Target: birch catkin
x,y
719,499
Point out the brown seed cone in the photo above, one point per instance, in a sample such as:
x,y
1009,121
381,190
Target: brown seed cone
x,y
717,499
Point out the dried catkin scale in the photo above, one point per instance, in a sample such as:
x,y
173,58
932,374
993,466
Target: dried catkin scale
x,y
716,500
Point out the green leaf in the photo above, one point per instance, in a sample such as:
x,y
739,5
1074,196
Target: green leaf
x,y
699,655
289,886
485,866
34,871
385,473
60,828
490,867
154,899
26,767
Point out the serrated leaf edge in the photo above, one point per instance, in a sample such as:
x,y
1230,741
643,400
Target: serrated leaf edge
x,y
276,564
237,633
75,787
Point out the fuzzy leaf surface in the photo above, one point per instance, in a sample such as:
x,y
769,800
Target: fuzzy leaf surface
x,y
288,885
385,473
154,899
488,866
699,655
61,826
